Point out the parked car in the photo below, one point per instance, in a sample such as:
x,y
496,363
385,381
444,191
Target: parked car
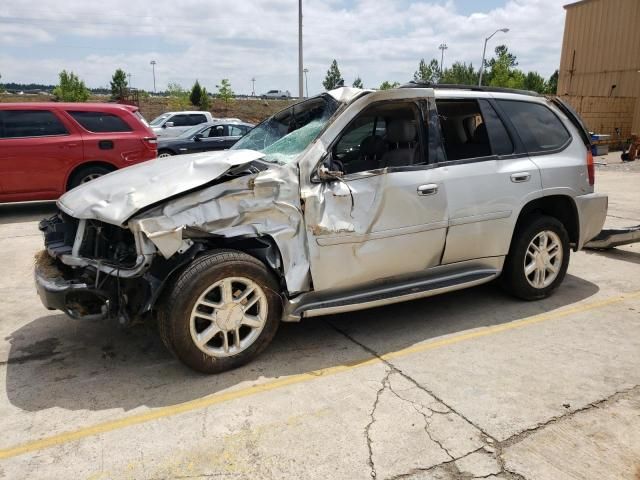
x,y
216,135
447,188
49,148
276,94
172,124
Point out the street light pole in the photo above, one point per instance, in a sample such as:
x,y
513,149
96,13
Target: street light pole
x,y
153,67
484,51
253,86
300,85
306,80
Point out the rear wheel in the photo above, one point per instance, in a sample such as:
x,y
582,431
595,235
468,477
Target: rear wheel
x,y
538,260
222,311
86,174
165,153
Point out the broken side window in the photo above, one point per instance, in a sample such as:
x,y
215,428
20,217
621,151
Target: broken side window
x,y
464,129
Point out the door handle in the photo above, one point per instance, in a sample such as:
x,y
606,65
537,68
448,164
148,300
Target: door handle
x,y
520,177
430,189
69,145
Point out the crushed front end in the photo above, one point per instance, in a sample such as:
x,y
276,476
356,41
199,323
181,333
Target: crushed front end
x,y
93,270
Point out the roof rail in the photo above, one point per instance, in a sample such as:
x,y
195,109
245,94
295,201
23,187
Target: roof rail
x,y
475,88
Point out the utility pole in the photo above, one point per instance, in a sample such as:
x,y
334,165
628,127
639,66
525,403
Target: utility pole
x,y
153,67
300,67
306,80
129,75
253,86
442,47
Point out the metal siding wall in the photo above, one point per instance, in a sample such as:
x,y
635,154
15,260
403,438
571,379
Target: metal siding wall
x,y
605,35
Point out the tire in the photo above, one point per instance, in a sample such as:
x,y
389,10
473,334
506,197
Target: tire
x,y
548,269
190,312
165,153
86,174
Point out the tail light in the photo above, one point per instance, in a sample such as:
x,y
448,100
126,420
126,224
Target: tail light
x,y
591,168
151,140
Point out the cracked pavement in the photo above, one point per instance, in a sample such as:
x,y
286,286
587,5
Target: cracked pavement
x,y
463,386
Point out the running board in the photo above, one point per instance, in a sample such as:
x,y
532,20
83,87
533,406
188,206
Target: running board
x,y
314,304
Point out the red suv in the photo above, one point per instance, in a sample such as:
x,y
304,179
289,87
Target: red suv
x,y
49,148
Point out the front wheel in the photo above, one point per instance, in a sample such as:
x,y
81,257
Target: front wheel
x,y
538,259
164,153
222,311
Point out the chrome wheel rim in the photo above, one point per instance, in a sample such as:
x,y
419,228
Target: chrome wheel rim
x,y
164,155
228,317
91,176
543,259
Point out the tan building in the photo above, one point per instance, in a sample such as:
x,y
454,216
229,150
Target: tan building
x,y
600,64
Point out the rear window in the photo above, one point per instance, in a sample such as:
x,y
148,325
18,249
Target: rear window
x,y
30,123
100,122
197,119
538,127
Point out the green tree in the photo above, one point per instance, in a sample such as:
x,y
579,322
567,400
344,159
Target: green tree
x,y
334,78
178,97
196,94
502,72
427,73
70,88
386,85
357,83
552,84
502,52
225,93
119,83
205,103
460,74
535,82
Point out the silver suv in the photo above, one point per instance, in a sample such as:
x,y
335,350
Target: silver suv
x,y
348,200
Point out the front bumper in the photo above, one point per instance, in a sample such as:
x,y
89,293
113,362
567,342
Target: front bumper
x,y
69,296
592,211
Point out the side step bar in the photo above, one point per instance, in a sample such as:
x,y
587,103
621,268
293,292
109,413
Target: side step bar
x,y
614,237
314,304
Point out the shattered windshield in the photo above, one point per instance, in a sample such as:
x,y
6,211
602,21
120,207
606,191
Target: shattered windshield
x,y
286,134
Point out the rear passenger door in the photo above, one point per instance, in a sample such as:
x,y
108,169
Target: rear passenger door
x,y
488,178
37,148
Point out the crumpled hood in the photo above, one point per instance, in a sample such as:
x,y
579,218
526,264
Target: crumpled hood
x,y
117,196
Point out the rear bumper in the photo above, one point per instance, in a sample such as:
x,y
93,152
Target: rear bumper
x,y
592,211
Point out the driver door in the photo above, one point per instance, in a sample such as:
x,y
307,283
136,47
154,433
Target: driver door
x,y
387,216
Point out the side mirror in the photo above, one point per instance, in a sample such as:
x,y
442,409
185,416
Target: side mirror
x,y
167,124
326,175
197,137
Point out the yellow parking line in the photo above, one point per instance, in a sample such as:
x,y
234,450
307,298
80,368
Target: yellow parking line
x,y
217,398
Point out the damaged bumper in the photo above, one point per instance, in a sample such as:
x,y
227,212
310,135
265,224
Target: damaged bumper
x,y
76,299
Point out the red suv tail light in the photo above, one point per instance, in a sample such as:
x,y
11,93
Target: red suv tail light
x,y
591,171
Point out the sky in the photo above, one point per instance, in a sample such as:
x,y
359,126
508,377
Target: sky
x,y
208,40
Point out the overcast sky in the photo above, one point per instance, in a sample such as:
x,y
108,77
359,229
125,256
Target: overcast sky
x,y
213,39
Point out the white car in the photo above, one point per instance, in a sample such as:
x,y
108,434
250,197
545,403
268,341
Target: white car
x,y
172,124
277,94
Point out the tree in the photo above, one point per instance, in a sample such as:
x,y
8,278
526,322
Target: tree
x,y
502,72
118,83
386,85
552,84
224,91
70,88
178,97
460,74
205,103
427,73
502,52
357,83
196,94
534,82
334,78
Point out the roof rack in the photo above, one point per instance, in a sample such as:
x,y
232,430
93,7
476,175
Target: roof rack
x,y
475,88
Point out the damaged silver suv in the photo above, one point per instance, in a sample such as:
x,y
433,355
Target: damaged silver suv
x,y
345,201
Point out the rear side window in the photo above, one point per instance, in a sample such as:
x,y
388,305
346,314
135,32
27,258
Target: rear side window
x,y
236,130
30,123
538,127
100,122
197,119
180,121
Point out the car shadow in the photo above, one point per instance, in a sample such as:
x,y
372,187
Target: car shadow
x,y
55,361
26,211
617,254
